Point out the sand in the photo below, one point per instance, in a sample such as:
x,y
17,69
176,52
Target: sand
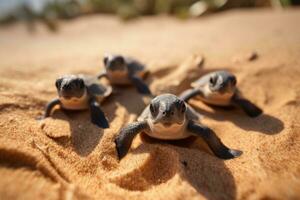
x,y
66,157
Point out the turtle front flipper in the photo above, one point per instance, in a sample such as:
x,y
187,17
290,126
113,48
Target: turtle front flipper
x,y
50,106
249,108
190,93
97,115
126,136
213,141
140,85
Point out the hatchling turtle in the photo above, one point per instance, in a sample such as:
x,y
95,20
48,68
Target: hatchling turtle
x,y
80,92
219,89
120,70
170,118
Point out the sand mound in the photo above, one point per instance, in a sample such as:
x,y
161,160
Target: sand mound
x,y
67,157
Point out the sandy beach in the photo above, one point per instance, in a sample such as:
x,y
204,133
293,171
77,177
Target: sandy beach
x,y
67,157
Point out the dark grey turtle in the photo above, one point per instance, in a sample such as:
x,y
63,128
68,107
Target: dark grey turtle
x,y
122,70
170,118
79,92
219,89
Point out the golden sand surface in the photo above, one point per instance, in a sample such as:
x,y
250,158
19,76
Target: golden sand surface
x,y
67,157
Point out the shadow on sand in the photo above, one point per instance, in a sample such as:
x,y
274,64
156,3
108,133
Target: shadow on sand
x,y
83,137
189,159
129,98
264,123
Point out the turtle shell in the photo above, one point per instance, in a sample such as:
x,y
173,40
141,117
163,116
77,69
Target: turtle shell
x,y
95,88
133,68
209,97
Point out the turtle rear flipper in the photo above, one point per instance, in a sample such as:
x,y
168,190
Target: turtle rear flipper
x,y
97,115
249,108
140,85
213,141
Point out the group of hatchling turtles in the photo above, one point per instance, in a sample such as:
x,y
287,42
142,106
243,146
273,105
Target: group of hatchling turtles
x,y
167,117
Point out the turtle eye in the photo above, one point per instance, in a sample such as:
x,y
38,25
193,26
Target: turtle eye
x,y
105,59
213,80
183,108
234,81
81,83
152,109
58,83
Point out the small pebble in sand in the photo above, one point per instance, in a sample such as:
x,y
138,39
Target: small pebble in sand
x,y
200,60
11,119
251,56
185,163
42,124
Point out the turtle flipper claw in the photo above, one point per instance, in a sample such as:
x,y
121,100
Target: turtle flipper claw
x,y
213,141
235,153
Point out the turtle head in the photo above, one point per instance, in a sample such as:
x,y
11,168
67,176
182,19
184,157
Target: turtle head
x,y
70,86
114,63
167,109
222,82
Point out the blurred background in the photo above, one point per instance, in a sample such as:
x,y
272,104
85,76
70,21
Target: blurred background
x,y
49,12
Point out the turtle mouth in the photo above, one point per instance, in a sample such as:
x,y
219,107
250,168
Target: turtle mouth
x,y
223,88
167,124
68,97
116,69
218,88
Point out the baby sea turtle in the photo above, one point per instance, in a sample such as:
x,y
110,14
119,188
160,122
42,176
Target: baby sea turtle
x,y
170,118
122,70
80,92
219,89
